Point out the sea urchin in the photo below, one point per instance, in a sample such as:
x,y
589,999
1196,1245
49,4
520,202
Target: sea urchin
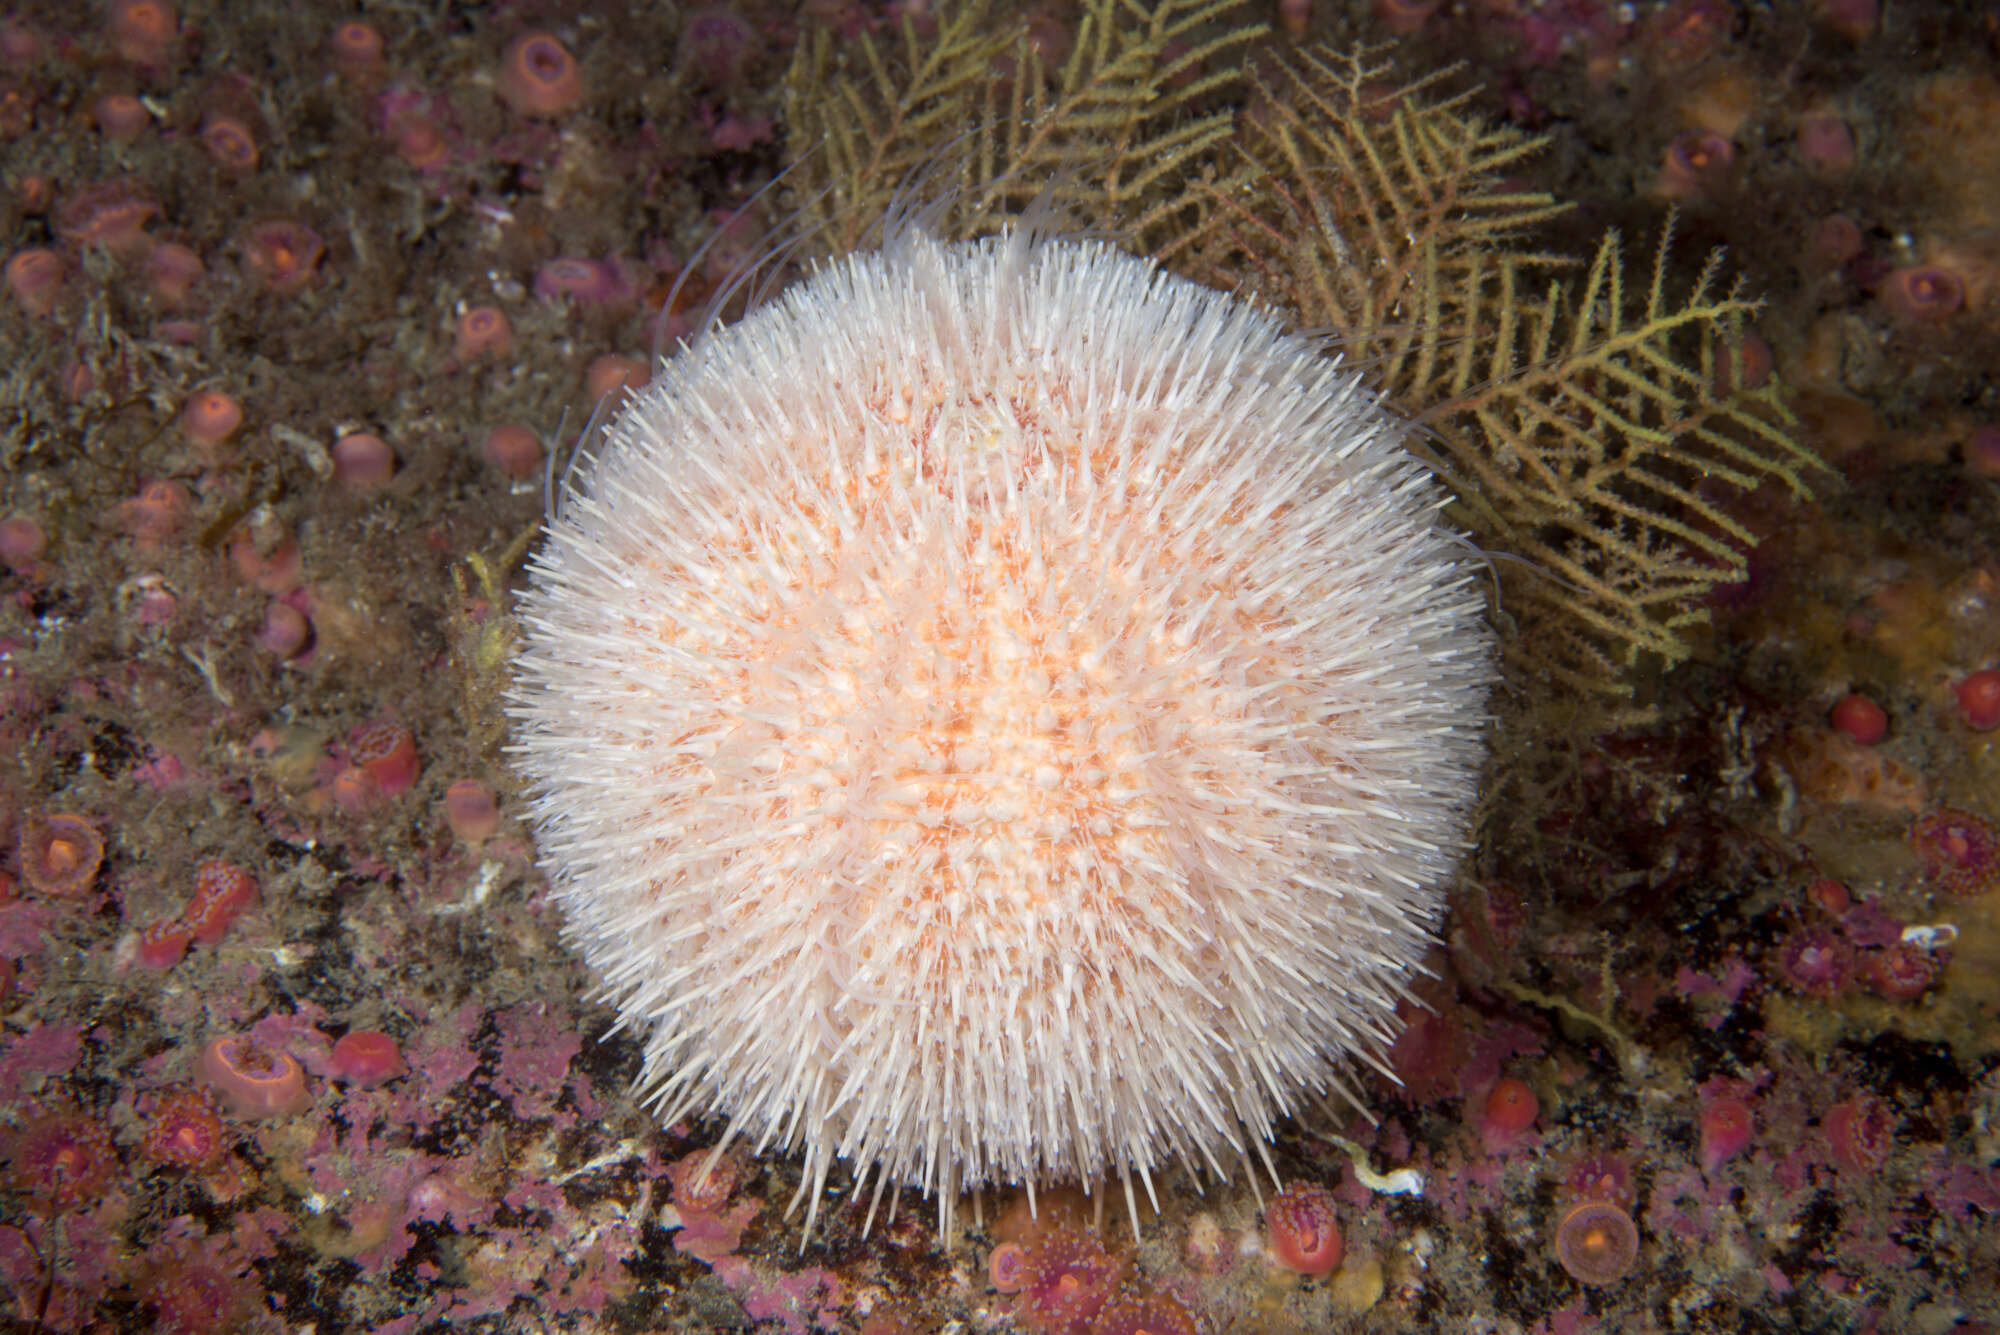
x,y
1000,713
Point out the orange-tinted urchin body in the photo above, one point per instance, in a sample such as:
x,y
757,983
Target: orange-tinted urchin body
x,y
1000,713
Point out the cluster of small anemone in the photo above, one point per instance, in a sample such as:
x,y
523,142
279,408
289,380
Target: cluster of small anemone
x,y
1063,1280
1843,940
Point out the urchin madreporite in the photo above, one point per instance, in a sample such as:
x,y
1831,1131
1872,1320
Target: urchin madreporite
x,y
1000,713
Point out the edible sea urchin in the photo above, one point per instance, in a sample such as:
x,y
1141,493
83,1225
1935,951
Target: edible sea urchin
x,y
1000,713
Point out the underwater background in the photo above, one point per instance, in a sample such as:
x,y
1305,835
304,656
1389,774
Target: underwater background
x,y
299,302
